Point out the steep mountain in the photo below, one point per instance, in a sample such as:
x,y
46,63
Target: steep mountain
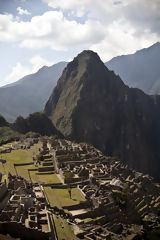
x,y
139,70
30,93
36,122
92,104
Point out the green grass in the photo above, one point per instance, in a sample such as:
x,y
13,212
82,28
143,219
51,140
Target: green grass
x,y
46,178
60,197
18,157
56,197
25,156
7,134
64,230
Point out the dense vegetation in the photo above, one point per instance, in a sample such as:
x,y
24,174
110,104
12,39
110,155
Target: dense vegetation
x,y
36,122
7,135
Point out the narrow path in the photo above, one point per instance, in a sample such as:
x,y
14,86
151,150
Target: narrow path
x,y
56,167
55,161
60,178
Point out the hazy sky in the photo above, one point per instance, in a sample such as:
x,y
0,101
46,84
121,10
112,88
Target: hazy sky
x,y
34,33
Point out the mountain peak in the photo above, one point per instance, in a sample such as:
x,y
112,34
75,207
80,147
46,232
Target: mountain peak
x,y
85,64
91,104
88,53
83,58
87,56
43,68
85,75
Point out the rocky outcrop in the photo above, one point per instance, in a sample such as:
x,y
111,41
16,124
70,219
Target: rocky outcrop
x,y
92,104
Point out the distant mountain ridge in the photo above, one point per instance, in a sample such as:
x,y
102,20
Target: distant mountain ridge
x,y
140,70
93,105
30,93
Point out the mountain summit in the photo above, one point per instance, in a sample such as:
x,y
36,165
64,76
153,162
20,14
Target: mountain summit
x,y
92,104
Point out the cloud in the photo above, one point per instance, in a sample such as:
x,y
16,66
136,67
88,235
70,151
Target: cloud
x,y
99,10
109,27
117,2
142,14
22,11
51,29
128,25
19,70
120,39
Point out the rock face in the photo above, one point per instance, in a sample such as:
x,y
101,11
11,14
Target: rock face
x,y
36,122
92,104
30,93
139,70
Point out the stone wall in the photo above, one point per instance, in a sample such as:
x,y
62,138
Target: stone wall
x,y
3,190
45,169
81,205
17,230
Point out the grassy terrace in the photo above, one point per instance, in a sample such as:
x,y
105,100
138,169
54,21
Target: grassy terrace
x,y
64,231
56,197
7,134
21,156
17,157
47,177
60,197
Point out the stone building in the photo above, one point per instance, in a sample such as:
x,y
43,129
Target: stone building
x,y
25,214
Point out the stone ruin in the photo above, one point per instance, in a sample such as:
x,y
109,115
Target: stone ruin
x,y
120,202
25,213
